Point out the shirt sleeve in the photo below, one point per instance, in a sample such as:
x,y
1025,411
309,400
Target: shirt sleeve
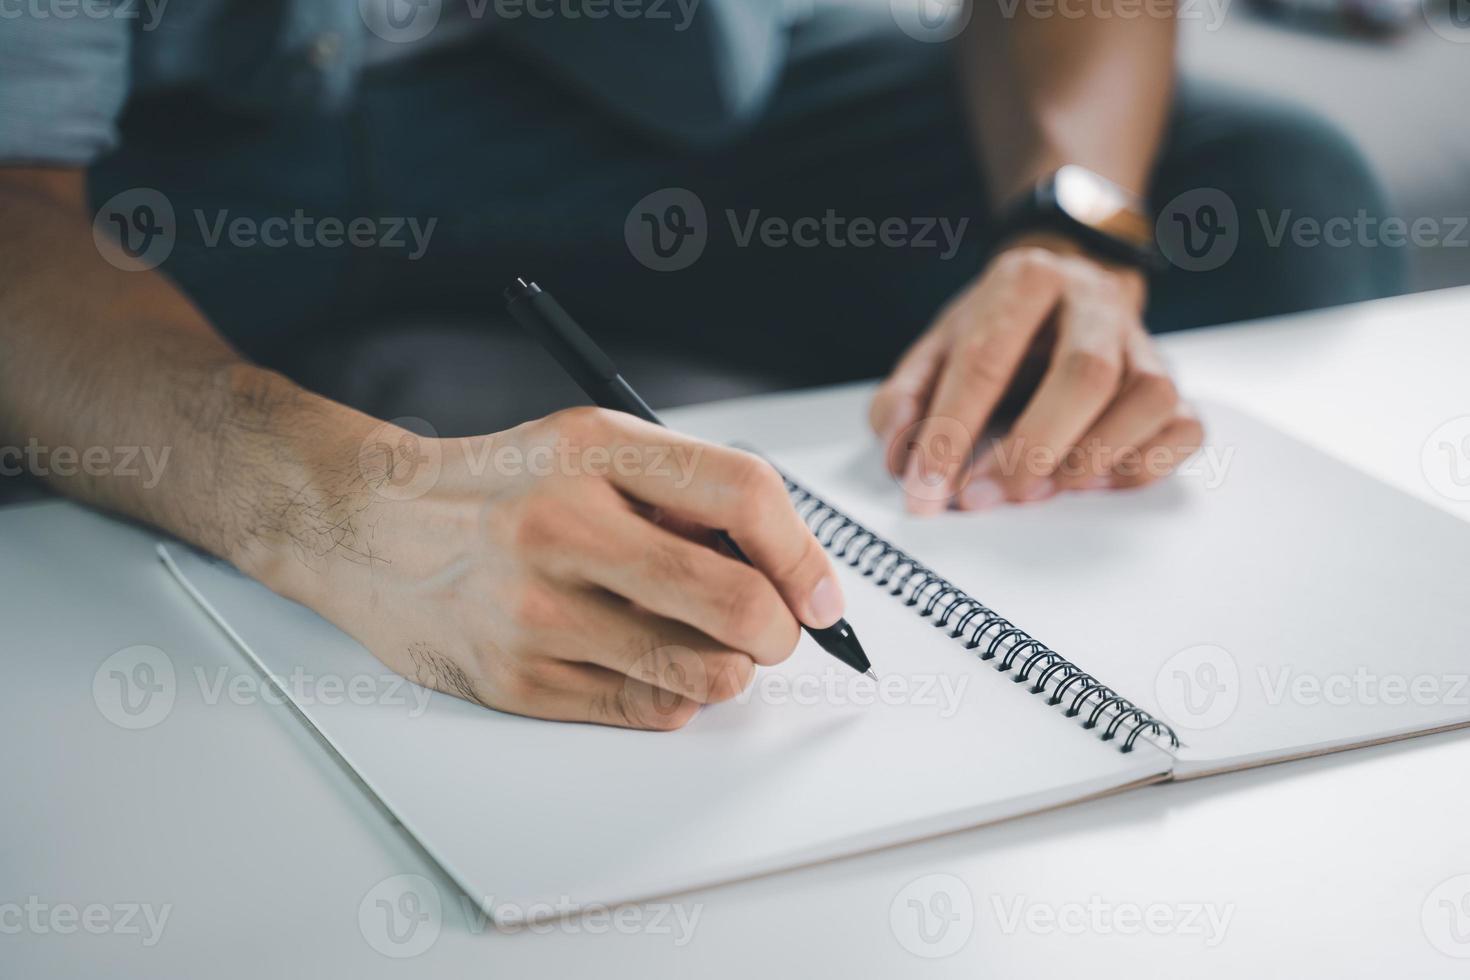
x,y
63,82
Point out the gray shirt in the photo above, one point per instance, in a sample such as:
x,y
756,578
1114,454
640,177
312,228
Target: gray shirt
x,y
694,70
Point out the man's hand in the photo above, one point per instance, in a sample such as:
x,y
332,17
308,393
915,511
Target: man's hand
x,y
1104,413
564,569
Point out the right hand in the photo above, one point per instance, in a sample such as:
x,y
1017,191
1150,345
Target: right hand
x,y
583,587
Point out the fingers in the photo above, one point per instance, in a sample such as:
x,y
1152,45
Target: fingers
x,y
657,651
899,400
1081,380
1146,403
602,659
675,578
743,495
603,630
1162,454
994,326
563,691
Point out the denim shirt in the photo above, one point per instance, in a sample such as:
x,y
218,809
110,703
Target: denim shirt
x,y
693,70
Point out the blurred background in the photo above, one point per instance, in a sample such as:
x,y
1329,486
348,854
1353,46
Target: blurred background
x,y
1388,72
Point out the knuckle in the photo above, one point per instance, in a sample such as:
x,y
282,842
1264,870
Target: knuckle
x,y
758,488
1028,267
535,608
543,522
1192,434
806,569
747,607
883,405
729,674
522,683
667,717
1090,370
669,564
618,707
980,359
651,709
652,662
582,423
1156,392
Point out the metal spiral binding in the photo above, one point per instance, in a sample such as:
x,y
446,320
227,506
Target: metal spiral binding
x,y
979,626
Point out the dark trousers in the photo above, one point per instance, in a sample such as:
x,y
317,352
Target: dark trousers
x,y
522,178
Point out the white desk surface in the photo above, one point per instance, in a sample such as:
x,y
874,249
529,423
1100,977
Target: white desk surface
x,y
262,849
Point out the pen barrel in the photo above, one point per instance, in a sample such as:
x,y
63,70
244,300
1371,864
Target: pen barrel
x,y
554,327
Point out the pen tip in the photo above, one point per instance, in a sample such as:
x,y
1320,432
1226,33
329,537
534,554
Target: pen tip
x,y
869,673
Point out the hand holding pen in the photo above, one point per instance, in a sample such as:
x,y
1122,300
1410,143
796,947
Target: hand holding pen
x,y
595,372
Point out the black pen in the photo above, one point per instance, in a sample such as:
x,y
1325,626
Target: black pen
x,y
594,371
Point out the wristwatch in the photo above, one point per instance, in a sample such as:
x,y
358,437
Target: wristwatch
x,y
1102,217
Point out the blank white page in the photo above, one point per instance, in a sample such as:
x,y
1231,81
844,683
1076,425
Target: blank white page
x,y
1270,602
800,769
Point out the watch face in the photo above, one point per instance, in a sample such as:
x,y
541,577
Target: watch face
x,y
1102,205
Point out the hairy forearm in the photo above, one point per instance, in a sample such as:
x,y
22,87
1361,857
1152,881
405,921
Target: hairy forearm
x,y
1092,87
127,399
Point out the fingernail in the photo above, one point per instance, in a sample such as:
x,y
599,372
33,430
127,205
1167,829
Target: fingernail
x,y
1095,483
981,494
825,603
1039,490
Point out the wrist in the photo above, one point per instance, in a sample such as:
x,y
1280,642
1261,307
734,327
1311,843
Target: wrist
x,y
294,498
1130,279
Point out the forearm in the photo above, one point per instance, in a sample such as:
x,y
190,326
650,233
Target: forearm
x,y
1083,88
184,433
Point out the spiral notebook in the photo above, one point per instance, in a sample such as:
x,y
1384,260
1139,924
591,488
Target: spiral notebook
x,y
1265,604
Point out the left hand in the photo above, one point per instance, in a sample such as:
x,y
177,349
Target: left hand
x,y
1104,414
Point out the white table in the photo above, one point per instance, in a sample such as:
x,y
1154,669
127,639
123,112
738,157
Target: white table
x,y
262,848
